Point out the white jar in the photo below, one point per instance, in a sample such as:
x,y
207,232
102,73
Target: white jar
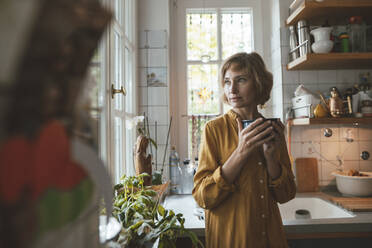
x,y
322,43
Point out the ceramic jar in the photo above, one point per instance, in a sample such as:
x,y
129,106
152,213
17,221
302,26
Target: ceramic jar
x,y
322,43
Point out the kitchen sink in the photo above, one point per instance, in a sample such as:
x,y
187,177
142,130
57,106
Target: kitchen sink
x,y
311,208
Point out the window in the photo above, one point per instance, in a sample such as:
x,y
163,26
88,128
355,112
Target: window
x,y
211,34
113,66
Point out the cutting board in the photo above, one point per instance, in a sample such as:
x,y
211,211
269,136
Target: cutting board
x,y
307,174
354,204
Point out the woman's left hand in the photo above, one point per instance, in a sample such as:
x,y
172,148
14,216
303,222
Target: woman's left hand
x,y
272,147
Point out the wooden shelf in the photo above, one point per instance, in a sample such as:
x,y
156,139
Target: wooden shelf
x,y
311,10
327,61
321,121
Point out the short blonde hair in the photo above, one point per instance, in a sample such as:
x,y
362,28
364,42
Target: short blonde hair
x,y
254,66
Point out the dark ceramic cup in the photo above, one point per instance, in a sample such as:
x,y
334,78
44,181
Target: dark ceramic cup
x,y
246,123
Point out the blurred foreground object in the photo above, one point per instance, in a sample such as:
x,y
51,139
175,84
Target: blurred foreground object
x,y
51,182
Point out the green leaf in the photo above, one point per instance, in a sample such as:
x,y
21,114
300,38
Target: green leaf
x,y
161,210
137,225
154,143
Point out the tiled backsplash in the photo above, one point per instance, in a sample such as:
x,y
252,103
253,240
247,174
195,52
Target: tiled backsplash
x,y
309,141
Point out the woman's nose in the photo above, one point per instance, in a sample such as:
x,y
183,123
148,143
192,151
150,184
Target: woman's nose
x,y
233,87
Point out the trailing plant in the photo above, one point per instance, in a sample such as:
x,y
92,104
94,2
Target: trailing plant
x,y
143,219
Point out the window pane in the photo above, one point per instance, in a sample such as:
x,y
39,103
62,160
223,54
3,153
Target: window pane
x,y
129,108
201,35
118,11
128,18
203,89
118,73
118,126
128,80
236,33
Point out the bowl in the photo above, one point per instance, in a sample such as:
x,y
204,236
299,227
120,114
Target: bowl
x,y
322,46
360,186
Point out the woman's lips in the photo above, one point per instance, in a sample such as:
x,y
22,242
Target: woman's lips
x,y
234,99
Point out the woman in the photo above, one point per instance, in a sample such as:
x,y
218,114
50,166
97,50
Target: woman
x,y
243,173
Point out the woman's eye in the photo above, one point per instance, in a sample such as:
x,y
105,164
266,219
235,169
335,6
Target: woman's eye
x,y
242,80
227,82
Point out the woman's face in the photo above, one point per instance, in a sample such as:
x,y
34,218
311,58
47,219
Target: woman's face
x,y
239,89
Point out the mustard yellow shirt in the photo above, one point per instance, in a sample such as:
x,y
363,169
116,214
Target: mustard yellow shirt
x,y
245,213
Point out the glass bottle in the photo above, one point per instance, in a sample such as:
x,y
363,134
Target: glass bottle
x,y
357,32
175,172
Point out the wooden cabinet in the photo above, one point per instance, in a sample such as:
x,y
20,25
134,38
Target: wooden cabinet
x,y
337,10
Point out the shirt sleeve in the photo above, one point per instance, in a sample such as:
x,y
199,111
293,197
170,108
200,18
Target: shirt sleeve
x,y
283,188
210,188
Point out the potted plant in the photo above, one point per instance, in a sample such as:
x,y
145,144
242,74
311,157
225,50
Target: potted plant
x,y
145,223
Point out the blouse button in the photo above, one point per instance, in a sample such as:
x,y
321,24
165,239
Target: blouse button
x,y
260,163
261,181
262,196
263,233
263,215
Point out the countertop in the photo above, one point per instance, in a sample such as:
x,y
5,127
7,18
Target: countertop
x,y
361,223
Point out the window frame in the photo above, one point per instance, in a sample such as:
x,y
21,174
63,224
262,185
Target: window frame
x,y
178,72
129,40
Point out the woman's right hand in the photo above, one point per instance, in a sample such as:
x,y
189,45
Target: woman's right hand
x,y
253,136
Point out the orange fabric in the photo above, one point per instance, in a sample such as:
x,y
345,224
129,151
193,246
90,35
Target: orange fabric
x,y
37,165
14,168
245,213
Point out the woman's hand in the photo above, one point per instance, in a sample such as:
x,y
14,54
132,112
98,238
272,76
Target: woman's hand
x,y
253,136
272,147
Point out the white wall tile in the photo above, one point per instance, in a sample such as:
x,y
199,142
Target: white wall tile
x,y
346,76
142,39
365,133
327,76
348,165
142,77
158,96
311,133
288,93
297,133
143,110
157,38
290,77
349,132
311,150
284,35
285,55
327,169
159,114
330,150
365,146
309,77
335,133
349,150
325,88
142,57
296,150
365,166
142,96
